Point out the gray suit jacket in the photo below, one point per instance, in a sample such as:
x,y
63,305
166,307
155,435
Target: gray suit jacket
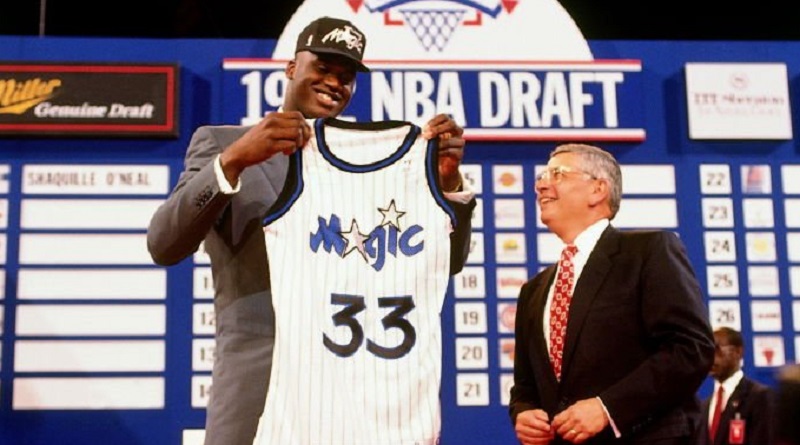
x,y
231,226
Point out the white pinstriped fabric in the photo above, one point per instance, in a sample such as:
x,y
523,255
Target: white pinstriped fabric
x,y
359,263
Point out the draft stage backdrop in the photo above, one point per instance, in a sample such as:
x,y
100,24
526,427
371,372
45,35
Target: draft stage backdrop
x,y
100,346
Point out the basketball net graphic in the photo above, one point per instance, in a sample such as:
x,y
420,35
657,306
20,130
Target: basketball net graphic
x,y
434,22
452,30
433,27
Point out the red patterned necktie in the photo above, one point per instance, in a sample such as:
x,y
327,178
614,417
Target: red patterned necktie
x,y
559,307
718,408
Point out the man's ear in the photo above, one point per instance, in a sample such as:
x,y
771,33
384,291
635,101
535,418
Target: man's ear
x,y
600,192
290,68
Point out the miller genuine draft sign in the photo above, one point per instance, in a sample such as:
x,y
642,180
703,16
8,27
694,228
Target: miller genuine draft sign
x,y
89,100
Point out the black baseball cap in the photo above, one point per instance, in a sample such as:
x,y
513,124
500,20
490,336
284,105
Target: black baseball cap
x,y
334,36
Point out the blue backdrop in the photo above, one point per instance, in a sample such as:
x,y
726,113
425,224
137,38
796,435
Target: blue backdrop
x,y
664,115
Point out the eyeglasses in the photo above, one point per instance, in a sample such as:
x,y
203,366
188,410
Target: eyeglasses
x,y
555,175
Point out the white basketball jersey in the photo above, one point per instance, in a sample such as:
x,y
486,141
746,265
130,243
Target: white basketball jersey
x,y
359,255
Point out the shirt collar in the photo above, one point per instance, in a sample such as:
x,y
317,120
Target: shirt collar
x,y
587,239
731,382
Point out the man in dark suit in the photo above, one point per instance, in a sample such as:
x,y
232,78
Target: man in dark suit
x,y
232,176
615,351
787,405
746,406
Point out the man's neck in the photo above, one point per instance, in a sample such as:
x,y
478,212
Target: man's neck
x,y
726,379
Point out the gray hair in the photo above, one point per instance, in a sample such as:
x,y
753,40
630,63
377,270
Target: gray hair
x,y
600,164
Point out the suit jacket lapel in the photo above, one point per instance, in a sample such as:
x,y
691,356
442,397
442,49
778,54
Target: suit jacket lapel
x,y
261,186
735,400
594,273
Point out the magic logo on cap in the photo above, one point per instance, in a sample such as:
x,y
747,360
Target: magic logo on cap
x,y
347,35
334,36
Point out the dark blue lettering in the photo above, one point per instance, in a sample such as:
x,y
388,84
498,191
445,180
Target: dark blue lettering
x,y
329,235
375,247
405,241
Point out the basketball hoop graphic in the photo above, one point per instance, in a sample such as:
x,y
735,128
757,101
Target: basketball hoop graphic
x,y
434,22
449,30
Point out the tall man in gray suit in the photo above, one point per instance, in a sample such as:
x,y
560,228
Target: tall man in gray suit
x,y
612,342
232,176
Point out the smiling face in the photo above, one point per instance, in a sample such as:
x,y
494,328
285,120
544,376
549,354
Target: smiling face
x,y
320,85
569,198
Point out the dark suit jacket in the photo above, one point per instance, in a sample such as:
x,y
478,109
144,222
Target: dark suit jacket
x,y
231,226
638,337
754,403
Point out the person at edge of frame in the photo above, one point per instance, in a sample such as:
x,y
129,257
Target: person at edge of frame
x,y
747,407
787,406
